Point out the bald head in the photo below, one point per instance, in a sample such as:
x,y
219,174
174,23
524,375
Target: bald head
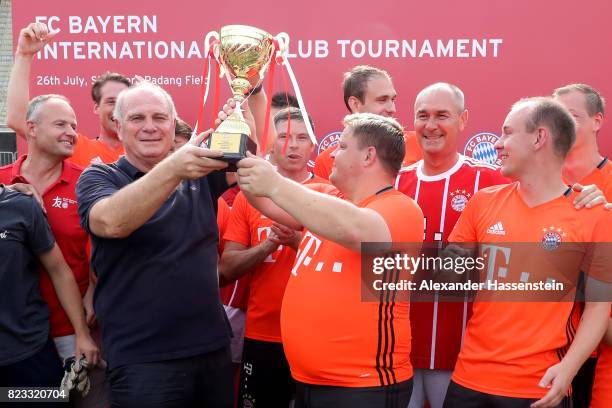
x,y
442,89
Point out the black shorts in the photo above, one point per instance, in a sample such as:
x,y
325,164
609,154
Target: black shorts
x,y
321,396
458,396
265,378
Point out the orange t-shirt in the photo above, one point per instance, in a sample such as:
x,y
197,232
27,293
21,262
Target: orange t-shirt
x,y
324,161
508,346
247,226
330,336
601,176
89,151
602,387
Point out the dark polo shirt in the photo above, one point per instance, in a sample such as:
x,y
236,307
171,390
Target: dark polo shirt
x,y
24,316
157,296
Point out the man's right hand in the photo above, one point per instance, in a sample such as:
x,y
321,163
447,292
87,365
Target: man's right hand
x,y
33,38
192,161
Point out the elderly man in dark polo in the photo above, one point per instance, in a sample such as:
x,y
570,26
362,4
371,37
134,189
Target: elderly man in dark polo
x,y
151,216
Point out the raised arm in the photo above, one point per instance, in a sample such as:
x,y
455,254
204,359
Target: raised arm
x,y
31,40
121,213
325,215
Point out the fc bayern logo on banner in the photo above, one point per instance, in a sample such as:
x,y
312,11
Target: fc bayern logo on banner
x,y
481,147
329,140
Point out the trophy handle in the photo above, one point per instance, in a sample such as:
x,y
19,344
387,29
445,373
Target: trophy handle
x,y
207,43
212,48
282,39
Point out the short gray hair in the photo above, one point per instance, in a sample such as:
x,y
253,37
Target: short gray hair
x,y
143,85
454,89
36,104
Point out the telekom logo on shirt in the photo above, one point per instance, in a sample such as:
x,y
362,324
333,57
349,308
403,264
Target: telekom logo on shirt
x,y
304,256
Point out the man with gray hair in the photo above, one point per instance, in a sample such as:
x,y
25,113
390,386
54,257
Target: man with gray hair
x,y
342,351
441,183
151,216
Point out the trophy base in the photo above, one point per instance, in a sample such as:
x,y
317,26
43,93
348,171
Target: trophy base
x,y
233,145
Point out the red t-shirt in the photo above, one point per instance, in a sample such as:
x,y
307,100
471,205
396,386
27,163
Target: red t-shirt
x,y
324,161
508,346
438,327
89,151
248,227
330,336
61,205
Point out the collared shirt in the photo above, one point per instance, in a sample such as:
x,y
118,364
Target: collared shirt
x,y
24,232
157,295
60,203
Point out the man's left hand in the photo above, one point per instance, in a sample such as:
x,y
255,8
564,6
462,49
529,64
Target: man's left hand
x,y
558,381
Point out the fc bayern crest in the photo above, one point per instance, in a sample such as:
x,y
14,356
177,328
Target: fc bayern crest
x,y
552,238
459,199
329,140
481,147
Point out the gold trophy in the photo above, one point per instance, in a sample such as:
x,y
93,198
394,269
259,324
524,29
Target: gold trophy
x,y
244,53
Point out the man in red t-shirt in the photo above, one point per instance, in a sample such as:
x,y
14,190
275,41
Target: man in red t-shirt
x,y
368,90
255,245
441,183
518,354
107,147
342,351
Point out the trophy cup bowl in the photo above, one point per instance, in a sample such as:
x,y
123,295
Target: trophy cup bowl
x,y
245,53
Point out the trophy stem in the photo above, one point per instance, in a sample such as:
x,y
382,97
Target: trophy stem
x,y
235,123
